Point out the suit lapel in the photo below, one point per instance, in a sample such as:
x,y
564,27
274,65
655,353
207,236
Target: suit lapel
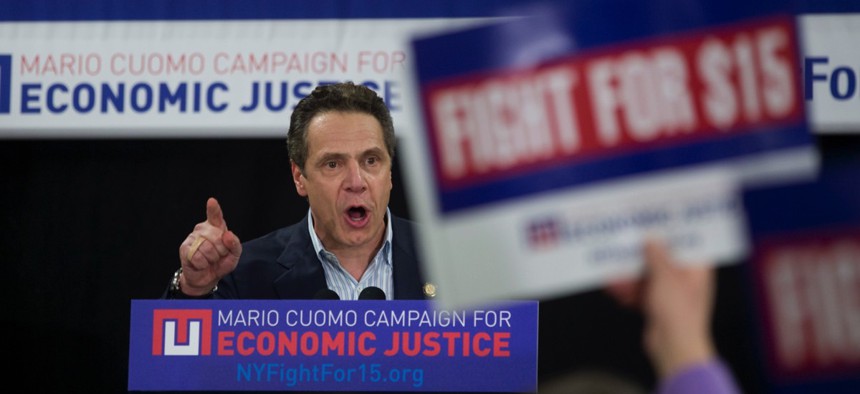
x,y
407,278
304,275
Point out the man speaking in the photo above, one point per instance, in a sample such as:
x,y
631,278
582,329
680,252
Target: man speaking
x,y
341,145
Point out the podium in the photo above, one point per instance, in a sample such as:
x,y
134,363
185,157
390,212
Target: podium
x,y
330,345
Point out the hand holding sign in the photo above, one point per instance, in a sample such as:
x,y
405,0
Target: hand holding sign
x,y
208,253
677,301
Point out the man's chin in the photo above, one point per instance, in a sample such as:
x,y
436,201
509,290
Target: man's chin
x,y
357,237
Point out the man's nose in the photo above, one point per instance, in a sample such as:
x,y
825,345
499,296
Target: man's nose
x,y
354,178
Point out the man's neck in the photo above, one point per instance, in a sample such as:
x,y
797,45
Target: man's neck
x,y
355,260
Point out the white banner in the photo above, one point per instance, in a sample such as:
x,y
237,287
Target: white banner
x,y
192,78
831,71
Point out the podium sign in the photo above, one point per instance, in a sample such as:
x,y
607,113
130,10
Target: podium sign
x,y
287,345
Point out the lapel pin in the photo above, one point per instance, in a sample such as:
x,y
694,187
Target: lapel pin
x,y
430,290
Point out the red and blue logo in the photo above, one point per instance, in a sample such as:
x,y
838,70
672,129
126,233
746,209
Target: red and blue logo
x,y
182,332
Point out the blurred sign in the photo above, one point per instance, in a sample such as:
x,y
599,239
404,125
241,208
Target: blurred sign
x,y
806,274
545,165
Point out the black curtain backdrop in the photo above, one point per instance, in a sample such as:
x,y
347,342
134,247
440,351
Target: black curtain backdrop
x,y
89,225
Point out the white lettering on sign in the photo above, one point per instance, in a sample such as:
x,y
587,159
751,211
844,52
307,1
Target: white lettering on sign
x,y
763,78
814,299
650,90
500,124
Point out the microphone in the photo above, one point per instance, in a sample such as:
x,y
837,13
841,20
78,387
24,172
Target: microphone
x,y
371,293
326,294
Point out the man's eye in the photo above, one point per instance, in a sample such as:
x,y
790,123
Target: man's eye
x,y
331,164
371,160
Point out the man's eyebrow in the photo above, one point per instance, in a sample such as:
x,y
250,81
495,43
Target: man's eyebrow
x,y
328,156
373,151
331,156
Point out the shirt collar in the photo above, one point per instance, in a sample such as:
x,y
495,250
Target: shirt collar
x,y
386,246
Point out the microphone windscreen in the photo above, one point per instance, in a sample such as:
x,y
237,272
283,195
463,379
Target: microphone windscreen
x,y
371,293
326,294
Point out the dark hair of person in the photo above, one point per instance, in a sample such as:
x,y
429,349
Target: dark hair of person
x,y
339,97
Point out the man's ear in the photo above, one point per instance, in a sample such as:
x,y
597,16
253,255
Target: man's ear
x,y
298,179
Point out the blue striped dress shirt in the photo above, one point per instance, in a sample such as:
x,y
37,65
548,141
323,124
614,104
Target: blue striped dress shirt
x,y
378,273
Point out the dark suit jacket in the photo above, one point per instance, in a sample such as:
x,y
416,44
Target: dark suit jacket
x,y
284,265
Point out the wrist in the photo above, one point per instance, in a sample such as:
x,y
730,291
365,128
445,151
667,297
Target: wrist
x,y
179,287
680,356
713,374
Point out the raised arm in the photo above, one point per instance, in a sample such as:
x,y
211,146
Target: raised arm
x,y
208,253
677,302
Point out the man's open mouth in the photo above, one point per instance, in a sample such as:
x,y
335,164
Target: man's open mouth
x,y
356,214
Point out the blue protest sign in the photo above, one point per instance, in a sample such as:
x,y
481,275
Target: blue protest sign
x,y
806,281
554,142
